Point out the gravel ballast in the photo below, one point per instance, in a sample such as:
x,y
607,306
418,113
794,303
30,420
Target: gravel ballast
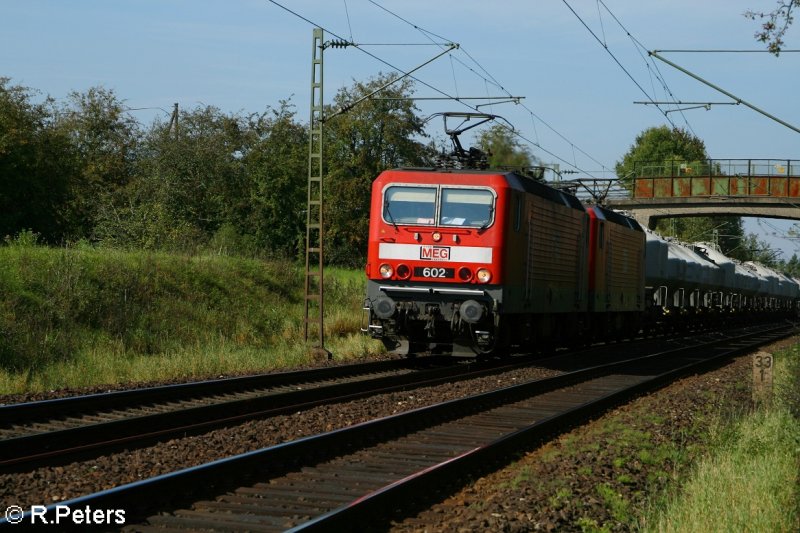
x,y
53,484
603,475
573,482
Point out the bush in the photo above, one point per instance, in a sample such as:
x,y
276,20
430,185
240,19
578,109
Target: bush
x,y
788,391
41,294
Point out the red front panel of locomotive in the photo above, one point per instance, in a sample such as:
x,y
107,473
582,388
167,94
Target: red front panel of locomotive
x,y
440,227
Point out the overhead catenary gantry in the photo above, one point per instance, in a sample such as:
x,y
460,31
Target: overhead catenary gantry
x,y
735,98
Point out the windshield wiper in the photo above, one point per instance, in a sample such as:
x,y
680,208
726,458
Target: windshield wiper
x,y
391,218
488,220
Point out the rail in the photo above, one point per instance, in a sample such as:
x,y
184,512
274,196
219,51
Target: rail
x,y
349,477
57,430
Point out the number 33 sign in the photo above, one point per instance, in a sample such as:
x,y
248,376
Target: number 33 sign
x,y
762,377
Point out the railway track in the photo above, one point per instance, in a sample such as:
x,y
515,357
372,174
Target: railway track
x,y
47,432
348,478
51,432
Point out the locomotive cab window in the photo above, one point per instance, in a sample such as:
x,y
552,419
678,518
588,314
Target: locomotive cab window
x,y
466,207
409,205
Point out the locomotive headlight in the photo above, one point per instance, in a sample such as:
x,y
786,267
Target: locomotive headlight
x,y
436,236
403,272
386,271
464,274
483,275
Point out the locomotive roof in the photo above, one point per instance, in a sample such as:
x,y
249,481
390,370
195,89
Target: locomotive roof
x,y
616,218
528,184
539,188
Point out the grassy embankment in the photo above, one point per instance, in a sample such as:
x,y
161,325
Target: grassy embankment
x,y
80,316
750,479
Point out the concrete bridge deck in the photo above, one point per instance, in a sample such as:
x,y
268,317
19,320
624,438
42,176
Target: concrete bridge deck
x,y
648,211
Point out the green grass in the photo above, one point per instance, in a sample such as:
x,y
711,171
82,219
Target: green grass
x,y
81,316
615,502
750,480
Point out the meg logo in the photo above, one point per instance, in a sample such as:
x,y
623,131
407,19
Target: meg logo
x,y
434,253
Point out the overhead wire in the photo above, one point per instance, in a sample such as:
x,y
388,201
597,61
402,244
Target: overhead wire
x,y
649,61
777,232
361,49
602,26
617,61
488,78
722,51
453,69
654,54
349,25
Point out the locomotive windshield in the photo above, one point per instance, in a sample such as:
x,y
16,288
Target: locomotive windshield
x,y
409,205
466,207
445,206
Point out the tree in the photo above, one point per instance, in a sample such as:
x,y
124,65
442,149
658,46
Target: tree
x,y
726,232
104,140
656,146
376,134
204,167
792,266
36,165
752,248
776,24
187,185
277,167
504,149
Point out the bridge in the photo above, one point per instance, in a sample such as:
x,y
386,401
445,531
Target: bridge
x,y
767,188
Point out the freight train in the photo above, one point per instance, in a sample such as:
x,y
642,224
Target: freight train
x,y
475,262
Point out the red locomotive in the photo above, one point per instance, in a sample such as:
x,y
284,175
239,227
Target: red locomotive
x,y
471,261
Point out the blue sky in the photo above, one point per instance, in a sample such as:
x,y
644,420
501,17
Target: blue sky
x,y
246,55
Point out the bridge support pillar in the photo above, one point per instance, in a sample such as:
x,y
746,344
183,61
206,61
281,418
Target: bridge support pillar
x,y
646,217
